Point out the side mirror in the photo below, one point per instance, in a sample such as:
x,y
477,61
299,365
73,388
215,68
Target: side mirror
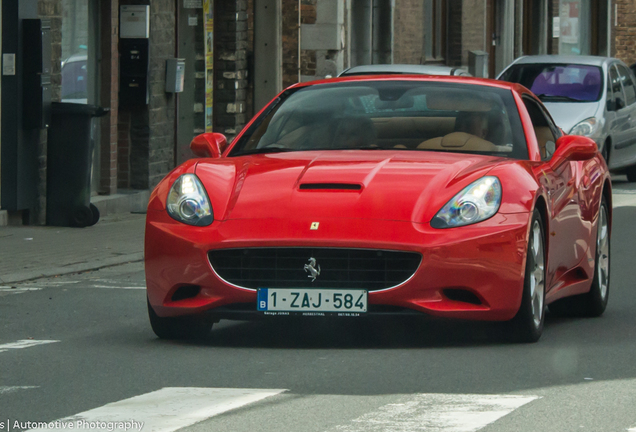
x,y
209,145
574,148
611,105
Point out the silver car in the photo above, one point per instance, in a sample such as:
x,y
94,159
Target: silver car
x,y
381,69
586,95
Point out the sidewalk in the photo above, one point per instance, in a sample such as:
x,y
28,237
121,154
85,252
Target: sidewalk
x,y
30,252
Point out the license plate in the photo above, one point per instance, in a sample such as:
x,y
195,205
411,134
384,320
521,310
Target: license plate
x,y
344,301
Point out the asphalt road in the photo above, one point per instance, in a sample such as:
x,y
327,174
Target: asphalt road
x,y
89,344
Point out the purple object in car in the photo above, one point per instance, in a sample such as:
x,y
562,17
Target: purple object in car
x,y
578,82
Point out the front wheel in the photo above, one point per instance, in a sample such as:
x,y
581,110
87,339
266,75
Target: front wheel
x,y
178,327
527,325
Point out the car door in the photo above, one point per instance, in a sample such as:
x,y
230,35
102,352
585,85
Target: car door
x,y
623,129
565,225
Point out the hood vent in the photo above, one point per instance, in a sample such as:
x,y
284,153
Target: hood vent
x,y
330,186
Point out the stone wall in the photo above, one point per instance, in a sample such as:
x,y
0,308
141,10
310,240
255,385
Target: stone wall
x,y
161,108
290,36
230,66
408,35
473,26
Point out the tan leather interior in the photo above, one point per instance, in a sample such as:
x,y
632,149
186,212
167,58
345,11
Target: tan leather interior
x,y
461,140
543,134
410,131
457,102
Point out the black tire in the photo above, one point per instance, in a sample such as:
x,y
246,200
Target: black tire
x,y
191,328
81,217
594,302
527,325
605,151
95,212
631,173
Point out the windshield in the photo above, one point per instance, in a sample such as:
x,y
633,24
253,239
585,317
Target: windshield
x,y
376,115
558,82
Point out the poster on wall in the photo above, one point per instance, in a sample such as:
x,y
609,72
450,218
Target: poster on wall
x,y
569,22
208,32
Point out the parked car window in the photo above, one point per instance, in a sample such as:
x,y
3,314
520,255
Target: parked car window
x,y
617,88
558,82
544,129
409,115
628,84
74,79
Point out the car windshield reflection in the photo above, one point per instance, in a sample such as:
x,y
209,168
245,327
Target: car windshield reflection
x,y
400,114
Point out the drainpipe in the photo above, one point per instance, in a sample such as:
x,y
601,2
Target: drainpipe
x,y
299,37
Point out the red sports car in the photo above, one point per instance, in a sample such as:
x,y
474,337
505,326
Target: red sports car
x,y
447,196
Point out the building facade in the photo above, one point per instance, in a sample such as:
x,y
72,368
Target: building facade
x,y
238,54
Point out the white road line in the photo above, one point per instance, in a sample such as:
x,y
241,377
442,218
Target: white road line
x,y
438,412
118,287
24,343
164,410
5,390
16,290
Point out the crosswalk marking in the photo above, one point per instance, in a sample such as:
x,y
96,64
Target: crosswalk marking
x,y
11,389
438,412
24,343
4,290
164,410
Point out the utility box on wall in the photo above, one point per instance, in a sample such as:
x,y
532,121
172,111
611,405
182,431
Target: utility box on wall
x,y
175,75
134,31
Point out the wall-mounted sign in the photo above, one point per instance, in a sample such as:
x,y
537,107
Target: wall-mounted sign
x,y
556,27
8,64
134,22
192,4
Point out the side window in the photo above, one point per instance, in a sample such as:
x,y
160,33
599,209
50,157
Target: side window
x,y
544,129
610,92
628,85
617,88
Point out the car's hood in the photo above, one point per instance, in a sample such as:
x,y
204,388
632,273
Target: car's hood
x,y
390,185
567,114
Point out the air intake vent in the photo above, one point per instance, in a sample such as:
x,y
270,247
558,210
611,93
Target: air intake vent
x,y
339,268
330,186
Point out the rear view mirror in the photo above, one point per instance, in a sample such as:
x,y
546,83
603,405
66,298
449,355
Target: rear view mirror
x,y
208,145
574,148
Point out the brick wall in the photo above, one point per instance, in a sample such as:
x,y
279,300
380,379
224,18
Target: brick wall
x,y
408,35
108,97
625,31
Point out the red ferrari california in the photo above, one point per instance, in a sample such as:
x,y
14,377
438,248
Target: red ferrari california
x,y
446,196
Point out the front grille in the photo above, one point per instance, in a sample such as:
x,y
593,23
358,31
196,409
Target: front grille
x,y
339,268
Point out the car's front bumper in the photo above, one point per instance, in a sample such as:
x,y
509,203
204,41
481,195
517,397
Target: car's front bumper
x,y
486,259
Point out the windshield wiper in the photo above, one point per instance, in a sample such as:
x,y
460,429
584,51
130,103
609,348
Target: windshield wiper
x,y
545,97
264,150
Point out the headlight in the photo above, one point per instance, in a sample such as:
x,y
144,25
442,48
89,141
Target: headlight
x,y
475,203
585,128
188,202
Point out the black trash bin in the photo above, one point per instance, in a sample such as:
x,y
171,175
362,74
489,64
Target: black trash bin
x,y
69,161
